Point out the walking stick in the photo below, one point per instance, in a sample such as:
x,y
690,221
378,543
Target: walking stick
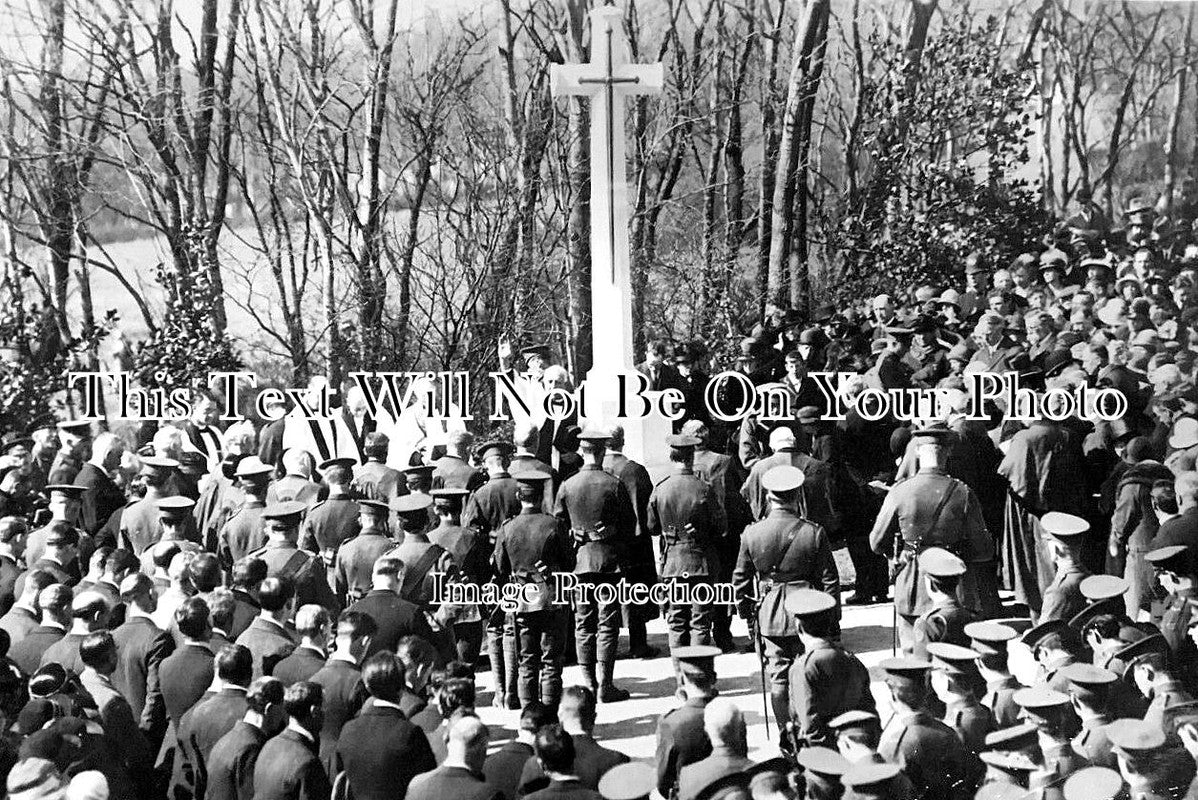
x,y
759,647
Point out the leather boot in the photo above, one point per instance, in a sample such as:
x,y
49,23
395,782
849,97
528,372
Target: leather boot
x,y
498,669
588,677
608,691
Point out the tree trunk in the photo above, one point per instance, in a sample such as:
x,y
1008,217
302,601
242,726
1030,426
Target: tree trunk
x,y
1172,141
769,152
578,223
57,218
787,264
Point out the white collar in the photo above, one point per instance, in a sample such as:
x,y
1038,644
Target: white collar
x,y
292,725
52,624
386,704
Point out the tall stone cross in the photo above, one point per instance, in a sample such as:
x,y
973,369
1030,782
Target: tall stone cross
x,y
607,80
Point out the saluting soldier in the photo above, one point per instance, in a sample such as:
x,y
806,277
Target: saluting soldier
x,y
139,521
685,513
355,559
333,520
1063,598
681,737
781,553
243,532
945,621
471,565
989,641
596,508
529,549
374,479
930,509
826,681
284,558
955,680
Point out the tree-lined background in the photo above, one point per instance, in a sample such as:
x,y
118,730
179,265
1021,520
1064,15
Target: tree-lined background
x,y
317,186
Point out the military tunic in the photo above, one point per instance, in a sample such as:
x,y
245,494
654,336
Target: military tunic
x,y
311,583
681,741
493,504
972,721
1000,699
452,472
354,567
685,513
932,756
1063,598
376,481
328,524
825,682
243,532
1094,745
941,623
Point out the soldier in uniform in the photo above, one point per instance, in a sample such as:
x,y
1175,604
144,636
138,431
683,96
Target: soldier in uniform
x,y
530,547
1175,569
419,481
826,681
1054,646
1050,712
681,738
945,621
1146,761
470,565
333,520
955,680
1063,598
930,509
989,641
597,510
685,513
452,470
815,500
355,558
75,437
243,531
638,557
64,510
488,508
139,521
421,557
1090,691
284,558
1104,597
782,552
933,756
174,521
374,479
296,483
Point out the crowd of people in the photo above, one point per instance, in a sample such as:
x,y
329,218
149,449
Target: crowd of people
x,y
285,610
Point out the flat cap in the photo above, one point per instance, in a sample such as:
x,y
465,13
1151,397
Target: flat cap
x,y
532,477
341,461
495,447
1063,525
449,493
411,503
287,511
176,507
253,467
632,781
157,465
823,761
68,489
782,479
1135,735
808,602
940,563
79,427
377,506
1039,698
952,658
680,441
1094,783
990,637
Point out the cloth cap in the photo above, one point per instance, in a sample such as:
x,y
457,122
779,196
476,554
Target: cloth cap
x,y
823,761
252,467
808,602
1062,525
781,437
952,658
782,479
411,503
940,563
285,513
631,781
1094,783
989,637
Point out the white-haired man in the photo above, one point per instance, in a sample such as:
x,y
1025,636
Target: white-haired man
x,y
101,496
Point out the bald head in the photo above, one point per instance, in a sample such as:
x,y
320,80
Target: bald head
x,y
297,462
1186,488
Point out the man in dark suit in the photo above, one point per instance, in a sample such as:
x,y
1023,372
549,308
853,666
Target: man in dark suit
x,y
55,602
374,479
24,615
12,544
200,428
187,673
101,496
88,614
312,626
341,681
247,577
556,755
453,470
267,638
394,617
141,647
591,759
134,757
504,767
288,766
233,759
270,438
460,776
661,374
380,751
210,719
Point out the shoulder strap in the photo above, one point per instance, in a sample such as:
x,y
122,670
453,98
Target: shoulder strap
x,y
419,570
791,538
294,564
943,502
